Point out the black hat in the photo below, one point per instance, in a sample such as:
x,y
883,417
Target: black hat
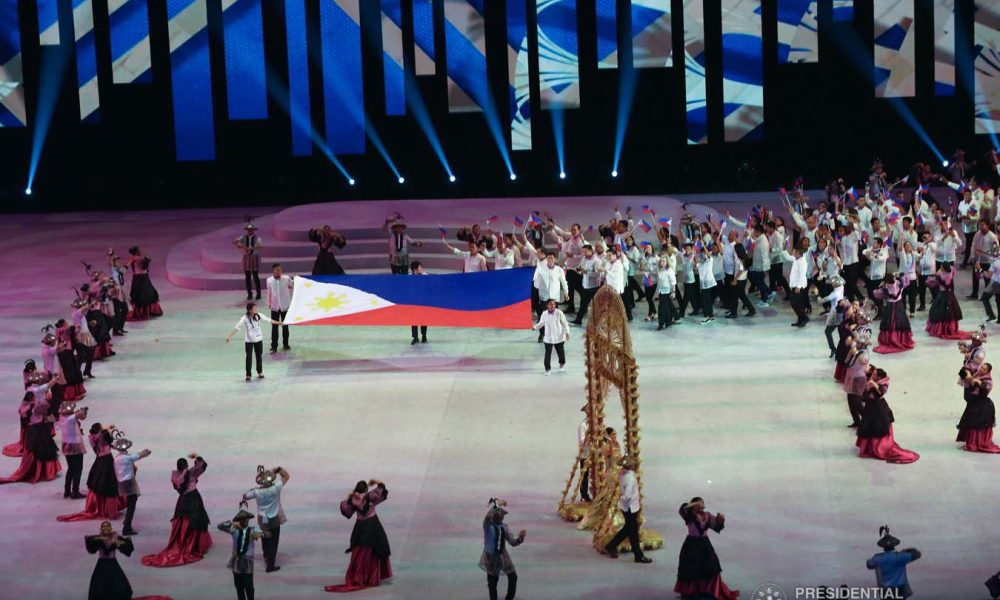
x,y
887,541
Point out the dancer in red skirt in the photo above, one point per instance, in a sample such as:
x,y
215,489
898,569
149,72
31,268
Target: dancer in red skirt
x,y
875,437
369,544
58,356
894,331
40,461
189,537
16,450
144,297
975,428
699,574
103,501
945,311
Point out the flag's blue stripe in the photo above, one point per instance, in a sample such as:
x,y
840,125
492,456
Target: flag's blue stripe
x,y
423,26
461,291
194,123
129,26
342,92
298,77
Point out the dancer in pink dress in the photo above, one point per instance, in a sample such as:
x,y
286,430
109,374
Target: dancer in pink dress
x,y
369,545
16,449
103,501
975,428
40,460
144,297
945,311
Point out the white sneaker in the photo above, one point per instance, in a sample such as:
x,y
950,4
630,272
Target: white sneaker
x,y
547,373
562,369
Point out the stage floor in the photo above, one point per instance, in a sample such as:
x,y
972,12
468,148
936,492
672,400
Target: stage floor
x,y
744,413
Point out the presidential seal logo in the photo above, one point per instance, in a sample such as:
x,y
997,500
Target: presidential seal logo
x,y
769,591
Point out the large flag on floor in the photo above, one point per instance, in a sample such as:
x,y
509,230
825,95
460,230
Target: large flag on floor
x,y
494,299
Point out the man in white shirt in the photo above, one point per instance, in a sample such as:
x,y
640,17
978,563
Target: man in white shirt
x,y
73,447
590,280
798,284
926,266
982,249
776,273
571,247
269,513
125,473
968,215
473,261
706,275
550,281
878,254
616,275
553,325
629,505
666,283
761,265
279,298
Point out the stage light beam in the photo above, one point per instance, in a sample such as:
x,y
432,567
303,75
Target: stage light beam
x,y
402,179
27,191
513,176
562,175
452,178
614,173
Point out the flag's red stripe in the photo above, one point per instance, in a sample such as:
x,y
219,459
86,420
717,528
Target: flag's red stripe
x,y
515,316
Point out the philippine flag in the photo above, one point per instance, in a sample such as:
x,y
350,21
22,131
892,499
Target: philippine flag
x,y
491,299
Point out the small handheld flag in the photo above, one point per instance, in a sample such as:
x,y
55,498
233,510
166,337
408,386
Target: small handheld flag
x,y
646,209
722,225
536,219
492,220
645,280
645,226
665,221
922,189
645,243
518,222
851,193
782,192
443,231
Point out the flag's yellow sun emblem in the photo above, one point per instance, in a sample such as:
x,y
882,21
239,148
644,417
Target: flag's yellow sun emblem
x,y
330,302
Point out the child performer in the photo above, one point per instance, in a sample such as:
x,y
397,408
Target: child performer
x,y
241,560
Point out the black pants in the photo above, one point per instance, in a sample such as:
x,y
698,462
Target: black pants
x,y
828,331
692,296
131,500
726,290
851,274
968,248
493,580
757,277
400,269
423,331
631,531
548,355
586,295
584,482
629,301
269,546
244,585
85,355
278,315
650,293
777,276
252,277
854,406
987,296
255,349
666,316
74,467
922,288
910,293
707,300
871,286
800,301
740,297
121,313
574,281
976,277
633,288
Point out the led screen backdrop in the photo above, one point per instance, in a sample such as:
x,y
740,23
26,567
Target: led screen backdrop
x,y
237,60
742,70
895,49
987,67
12,113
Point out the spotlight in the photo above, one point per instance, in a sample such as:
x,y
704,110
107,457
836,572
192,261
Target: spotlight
x,y
402,179
27,191
944,164
350,181
562,175
614,173
452,178
513,176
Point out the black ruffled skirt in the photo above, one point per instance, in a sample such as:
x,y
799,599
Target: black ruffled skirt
x,y
102,479
109,582
142,292
191,507
369,534
38,440
698,560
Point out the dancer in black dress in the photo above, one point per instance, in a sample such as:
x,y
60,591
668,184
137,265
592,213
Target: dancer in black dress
x,y
108,581
327,239
699,574
144,297
975,428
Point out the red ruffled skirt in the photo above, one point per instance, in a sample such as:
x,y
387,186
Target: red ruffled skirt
x,y
186,545
885,448
33,470
706,588
102,350
97,507
17,448
840,372
891,342
72,393
947,330
142,313
978,440
366,570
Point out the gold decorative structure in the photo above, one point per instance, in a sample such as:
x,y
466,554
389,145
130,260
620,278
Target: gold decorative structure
x,y
609,362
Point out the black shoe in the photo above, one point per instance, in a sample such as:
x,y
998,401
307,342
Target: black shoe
x,y
423,340
65,494
258,295
271,569
611,551
751,313
76,495
972,297
414,341
112,353
249,297
854,425
833,353
286,347
274,349
585,499
89,375
920,308
731,316
129,531
577,322
659,327
643,560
